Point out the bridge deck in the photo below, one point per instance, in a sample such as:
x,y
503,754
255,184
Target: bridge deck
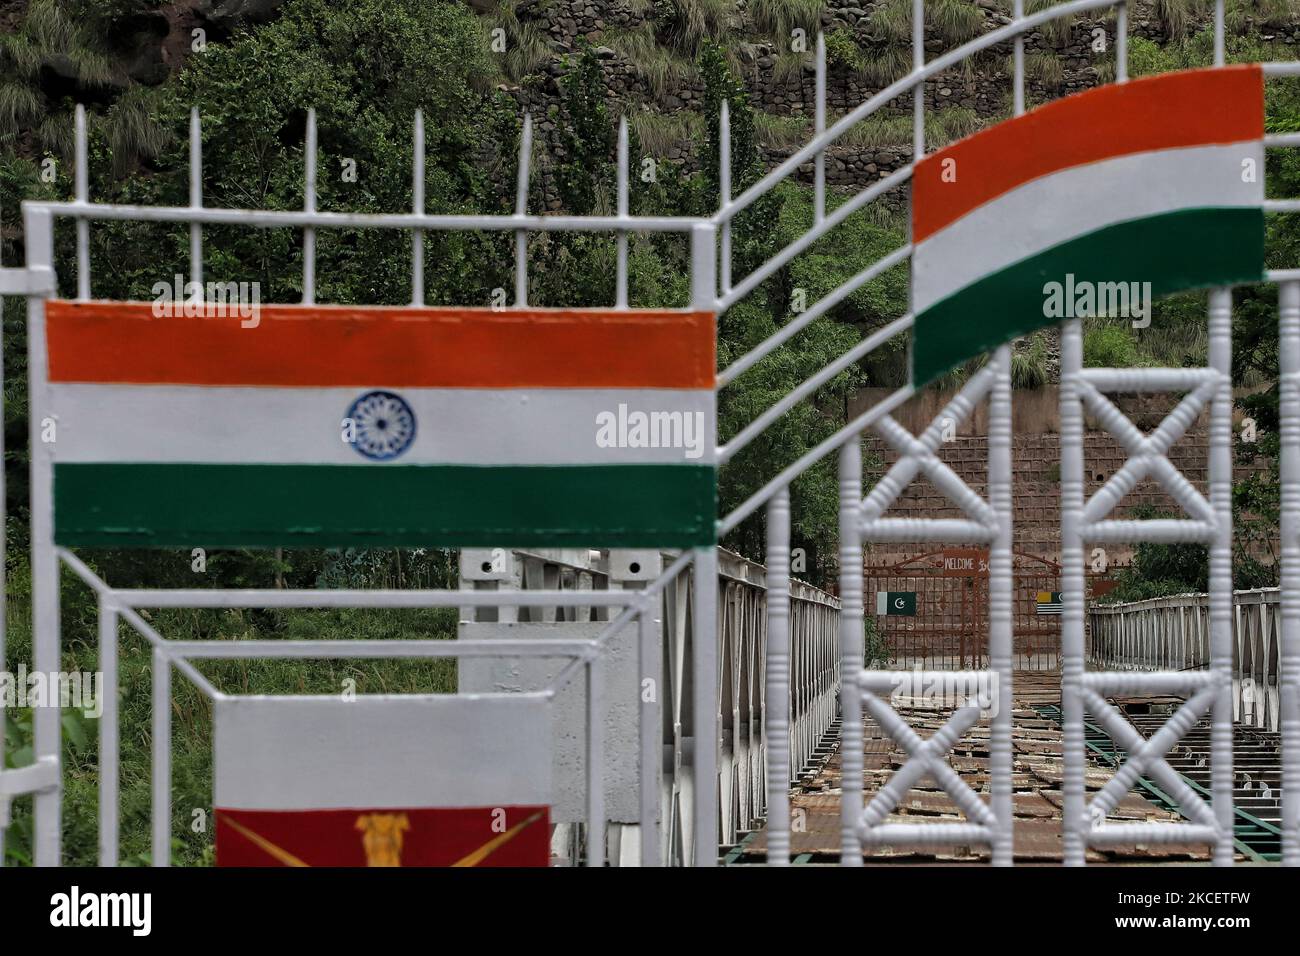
x,y
1037,793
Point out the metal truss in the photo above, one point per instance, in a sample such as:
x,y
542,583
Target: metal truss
x,y
987,522
1087,523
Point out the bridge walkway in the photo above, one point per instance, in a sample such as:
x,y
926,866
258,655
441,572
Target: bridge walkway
x,y
1037,778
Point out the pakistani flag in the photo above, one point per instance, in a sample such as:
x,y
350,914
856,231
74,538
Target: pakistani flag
x,y
896,603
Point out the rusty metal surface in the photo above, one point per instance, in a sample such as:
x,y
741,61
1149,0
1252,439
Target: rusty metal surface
x,y
950,629
1036,782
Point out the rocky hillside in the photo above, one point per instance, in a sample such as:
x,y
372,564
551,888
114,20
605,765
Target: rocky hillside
x,y
648,51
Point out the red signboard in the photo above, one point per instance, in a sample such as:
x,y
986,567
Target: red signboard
x,y
443,836
965,562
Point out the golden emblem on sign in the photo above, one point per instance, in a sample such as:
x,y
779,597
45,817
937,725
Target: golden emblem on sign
x,y
381,836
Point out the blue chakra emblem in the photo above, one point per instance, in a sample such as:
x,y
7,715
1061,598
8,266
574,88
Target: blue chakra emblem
x,y
384,425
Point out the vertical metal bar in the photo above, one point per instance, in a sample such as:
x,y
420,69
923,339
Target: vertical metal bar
x,y
703,267
1289,634
620,281
704,678
82,186
724,187
1001,600
1121,43
1074,824
162,758
851,651
4,524
38,234
595,764
776,704
521,209
819,127
417,207
651,668
309,205
918,91
196,197
109,735
1220,475
1220,38
1018,79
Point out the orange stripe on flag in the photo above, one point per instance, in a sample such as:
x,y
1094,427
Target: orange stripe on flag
x,y
323,346
1192,108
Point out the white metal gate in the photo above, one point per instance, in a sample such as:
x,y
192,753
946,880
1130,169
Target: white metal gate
x,y
862,518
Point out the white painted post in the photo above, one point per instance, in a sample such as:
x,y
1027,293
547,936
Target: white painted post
x,y
650,666
109,735
1220,44
162,758
776,704
704,623
1121,43
1074,824
82,185
1018,63
1289,635
724,189
417,207
1220,482
521,209
819,127
851,651
596,825
918,91
38,232
309,205
704,262
620,278
196,197
1001,601
704,705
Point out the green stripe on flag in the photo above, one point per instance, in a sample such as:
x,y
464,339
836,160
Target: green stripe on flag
x,y
1189,249
223,505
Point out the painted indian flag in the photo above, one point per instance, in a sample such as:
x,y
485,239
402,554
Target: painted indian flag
x,y
1158,180
333,426
382,781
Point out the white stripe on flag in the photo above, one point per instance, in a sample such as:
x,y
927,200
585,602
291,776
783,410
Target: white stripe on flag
x,y
181,423
1053,209
313,753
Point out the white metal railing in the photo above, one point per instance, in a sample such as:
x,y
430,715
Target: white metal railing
x,y
117,604
749,751
713,289
1210,518
1172,634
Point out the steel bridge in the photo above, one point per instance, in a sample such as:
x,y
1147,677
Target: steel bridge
x,y
736,651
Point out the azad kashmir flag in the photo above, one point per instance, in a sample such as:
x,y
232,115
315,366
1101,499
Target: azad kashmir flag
x,y
1091,205
333,426
1048,602
384,782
